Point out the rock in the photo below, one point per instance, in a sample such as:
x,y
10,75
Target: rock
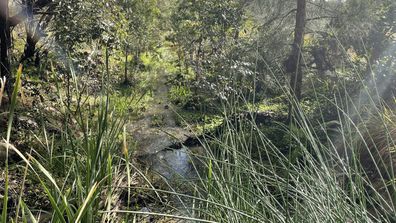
x,y
28,123
146,217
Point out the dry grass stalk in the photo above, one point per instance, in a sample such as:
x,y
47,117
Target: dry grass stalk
x,y
2,87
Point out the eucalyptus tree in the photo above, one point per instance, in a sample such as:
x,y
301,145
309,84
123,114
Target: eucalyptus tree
x,y
78,21
204,28
138,29
294,64
206,34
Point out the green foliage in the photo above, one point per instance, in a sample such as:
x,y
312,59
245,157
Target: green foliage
x,y
206,34
76,21
217,56
159,60
180,95
86,162
278,108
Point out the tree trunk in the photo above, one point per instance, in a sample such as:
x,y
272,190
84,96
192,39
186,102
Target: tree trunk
x,y
198,62
4,44
294,61
126,66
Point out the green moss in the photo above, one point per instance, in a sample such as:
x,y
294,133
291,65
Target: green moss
x,y
200,122
278,108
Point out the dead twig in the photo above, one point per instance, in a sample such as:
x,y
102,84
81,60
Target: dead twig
x,y
2,87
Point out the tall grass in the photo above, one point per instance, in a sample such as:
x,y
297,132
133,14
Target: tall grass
x,y
86,160
77,171
12,107
347,176
337,171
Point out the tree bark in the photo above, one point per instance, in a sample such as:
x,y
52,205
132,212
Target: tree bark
x,y
294,62
4,44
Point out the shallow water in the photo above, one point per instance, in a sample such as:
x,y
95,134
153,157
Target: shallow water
x,y
175,164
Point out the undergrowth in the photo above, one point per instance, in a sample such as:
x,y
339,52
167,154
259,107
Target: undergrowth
x,y
297,172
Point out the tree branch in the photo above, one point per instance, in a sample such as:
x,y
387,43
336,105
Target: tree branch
x,y
321,17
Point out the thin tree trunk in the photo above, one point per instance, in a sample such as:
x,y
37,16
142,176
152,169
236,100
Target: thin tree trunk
x,y
180,58
295,59
4,44
198,62
126,66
